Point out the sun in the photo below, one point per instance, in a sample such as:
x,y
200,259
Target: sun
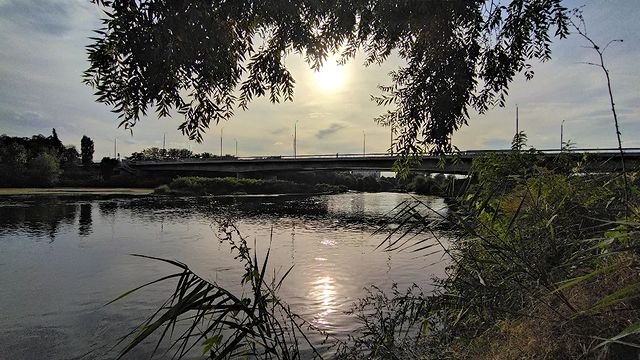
x,y
331,76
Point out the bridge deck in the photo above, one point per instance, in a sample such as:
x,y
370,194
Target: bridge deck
x,y
460,163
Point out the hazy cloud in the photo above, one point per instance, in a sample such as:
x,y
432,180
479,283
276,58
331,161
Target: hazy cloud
x,y
279,131
331,130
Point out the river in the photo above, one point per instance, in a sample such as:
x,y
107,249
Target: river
x,y
63,258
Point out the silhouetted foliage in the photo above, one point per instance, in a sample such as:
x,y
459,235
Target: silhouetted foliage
x,y
86,146
31,161
44,169
107,167
70,157
206,59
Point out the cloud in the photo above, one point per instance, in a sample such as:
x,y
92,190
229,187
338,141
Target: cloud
x,y
331,130
279,131
43,57
47,17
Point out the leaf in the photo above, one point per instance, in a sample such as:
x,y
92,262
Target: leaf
x,y
575,281
629,330
211,342
481,280
620,295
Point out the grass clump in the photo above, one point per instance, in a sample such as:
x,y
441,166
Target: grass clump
x,y
203,317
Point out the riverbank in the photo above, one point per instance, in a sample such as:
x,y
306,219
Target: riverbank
x,y
60,191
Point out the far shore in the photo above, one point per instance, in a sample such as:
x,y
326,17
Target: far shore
x,y
75,191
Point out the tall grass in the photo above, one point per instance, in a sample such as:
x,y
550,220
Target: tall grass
x,y
545,265
202,316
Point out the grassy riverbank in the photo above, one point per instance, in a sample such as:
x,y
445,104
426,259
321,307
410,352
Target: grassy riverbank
x,y
545,265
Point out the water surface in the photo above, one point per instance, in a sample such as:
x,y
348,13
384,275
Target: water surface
x,y
61,259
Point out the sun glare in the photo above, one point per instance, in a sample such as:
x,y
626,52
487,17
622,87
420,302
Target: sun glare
x,y
331,76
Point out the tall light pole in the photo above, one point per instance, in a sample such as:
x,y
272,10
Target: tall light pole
x,y
561,135
222,128
364,143
236,140
517,120
391,142
295,139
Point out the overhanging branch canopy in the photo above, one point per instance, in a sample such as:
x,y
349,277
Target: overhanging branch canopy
x,y
202,58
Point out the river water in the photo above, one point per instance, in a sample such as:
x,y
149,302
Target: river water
x,y
62,259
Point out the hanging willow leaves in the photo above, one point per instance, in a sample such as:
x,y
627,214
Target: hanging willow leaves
x,y
205,59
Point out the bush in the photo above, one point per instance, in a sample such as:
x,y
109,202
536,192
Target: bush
x,y
161,190
44,169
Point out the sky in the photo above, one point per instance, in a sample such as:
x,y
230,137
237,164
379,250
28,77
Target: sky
x,y
43,56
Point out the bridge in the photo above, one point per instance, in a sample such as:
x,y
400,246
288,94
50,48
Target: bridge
x,y
598,160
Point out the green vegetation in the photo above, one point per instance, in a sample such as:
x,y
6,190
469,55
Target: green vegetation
x,y
195,185
439,184
545,266
155,153
86,147
35,161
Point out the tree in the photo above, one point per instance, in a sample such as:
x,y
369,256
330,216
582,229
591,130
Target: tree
x,y
70,156
107,167
194,56
44,169
56,144
14,155
86,147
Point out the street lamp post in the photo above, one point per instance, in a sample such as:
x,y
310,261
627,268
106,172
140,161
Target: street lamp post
x,y
561,135
222,128
364,143
295,139
391,142
236,140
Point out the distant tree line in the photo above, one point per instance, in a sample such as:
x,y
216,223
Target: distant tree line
x,y
39,160
154,153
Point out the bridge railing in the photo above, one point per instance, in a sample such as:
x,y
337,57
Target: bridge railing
x,y
613,151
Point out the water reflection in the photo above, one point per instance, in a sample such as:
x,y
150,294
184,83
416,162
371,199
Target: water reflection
x,y
324,293
39,219
107,208
357,205
85,220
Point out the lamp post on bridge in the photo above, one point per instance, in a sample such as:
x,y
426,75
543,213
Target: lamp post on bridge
x,y
236,140
222,128
295,139
561,135
391,142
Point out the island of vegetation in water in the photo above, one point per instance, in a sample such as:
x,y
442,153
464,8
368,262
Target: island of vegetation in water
x,y
196,185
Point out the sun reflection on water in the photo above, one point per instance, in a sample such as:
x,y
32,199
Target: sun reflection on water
x,y
324,295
